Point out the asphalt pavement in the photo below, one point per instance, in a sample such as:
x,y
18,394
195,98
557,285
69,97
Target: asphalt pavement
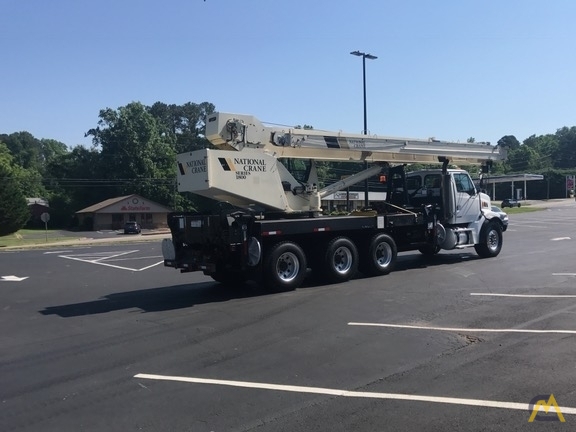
x,y
102,337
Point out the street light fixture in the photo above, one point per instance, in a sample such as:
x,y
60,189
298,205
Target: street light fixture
x,y
365,131
364,57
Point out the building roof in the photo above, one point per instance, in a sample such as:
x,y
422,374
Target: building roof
x,y
513,178
103,204
136,199
39,201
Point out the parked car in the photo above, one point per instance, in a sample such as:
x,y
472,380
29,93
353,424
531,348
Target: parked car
x,y
132,228
510,202
502,215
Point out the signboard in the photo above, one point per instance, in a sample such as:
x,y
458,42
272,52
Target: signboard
x,y
45,217
342,195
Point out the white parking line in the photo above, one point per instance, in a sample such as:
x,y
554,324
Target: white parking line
x,y
525,295
560,238
103,258
455,329
353,394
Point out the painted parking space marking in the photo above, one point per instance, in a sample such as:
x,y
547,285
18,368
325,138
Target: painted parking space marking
x,y
13,278
107,258
560,238
347,393
460,330
563,274
525,295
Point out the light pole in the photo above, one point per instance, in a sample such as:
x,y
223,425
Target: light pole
x,y
365,131
364,57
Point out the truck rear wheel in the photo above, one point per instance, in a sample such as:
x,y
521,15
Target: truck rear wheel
x,y
340,260
285,267
490,240
380,257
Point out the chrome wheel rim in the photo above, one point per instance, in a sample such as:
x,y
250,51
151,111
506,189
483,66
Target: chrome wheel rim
x,y
287,266
383,255
342,260
493,240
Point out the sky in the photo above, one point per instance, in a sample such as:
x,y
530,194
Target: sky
x,y
449,69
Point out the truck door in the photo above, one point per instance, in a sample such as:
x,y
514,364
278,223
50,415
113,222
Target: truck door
x,y
467,207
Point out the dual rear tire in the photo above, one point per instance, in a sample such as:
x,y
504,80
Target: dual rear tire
x,y
340,260
285,265
380,256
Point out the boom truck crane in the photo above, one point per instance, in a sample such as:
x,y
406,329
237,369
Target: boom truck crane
x,y
268,224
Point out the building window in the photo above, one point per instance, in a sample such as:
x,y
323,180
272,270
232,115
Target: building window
x,y
117,217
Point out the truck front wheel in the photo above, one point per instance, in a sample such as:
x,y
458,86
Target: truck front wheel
x,y
490,240
340,260
285,267
380,257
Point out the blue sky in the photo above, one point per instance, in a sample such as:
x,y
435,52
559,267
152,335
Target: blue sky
x,y
450,69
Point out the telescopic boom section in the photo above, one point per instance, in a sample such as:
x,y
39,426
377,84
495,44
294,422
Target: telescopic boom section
x,y
235,131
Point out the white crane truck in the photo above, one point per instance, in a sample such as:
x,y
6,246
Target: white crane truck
x,y
269,227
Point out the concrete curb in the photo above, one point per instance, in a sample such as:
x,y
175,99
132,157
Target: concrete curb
x,y
86,241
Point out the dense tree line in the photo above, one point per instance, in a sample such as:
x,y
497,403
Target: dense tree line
x,y
133,150
551,155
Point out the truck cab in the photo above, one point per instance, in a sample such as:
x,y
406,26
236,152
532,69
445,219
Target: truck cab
x,y
460,194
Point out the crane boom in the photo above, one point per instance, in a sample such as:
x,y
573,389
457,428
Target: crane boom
x,y
236,132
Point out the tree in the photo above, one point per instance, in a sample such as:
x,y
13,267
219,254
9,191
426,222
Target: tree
x,y
523,159
50,149
25,149
565,154
509,142
546,146
74,181
134,154
183,125
14,211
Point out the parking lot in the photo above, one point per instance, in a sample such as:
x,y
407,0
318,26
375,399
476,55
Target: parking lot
x,y
103,337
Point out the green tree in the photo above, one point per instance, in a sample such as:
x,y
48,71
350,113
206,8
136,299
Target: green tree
x,y
134,153
182,125
546,146
74,181
25,149
509,142
50,149
565,154
14,211
523,159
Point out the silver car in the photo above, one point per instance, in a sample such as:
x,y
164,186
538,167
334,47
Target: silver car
x,y
502,215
